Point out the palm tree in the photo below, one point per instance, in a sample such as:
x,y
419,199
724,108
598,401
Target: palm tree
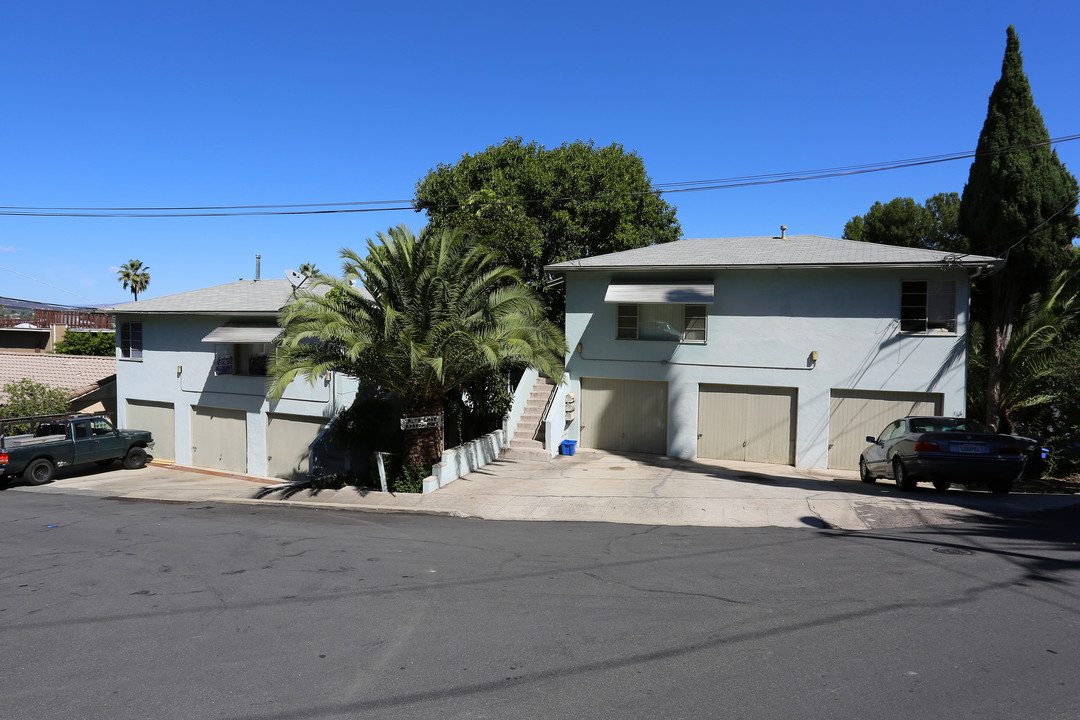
x,y
1030,350
133,274
421,318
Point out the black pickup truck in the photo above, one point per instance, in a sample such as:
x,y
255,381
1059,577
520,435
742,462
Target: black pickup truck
x,y
58,441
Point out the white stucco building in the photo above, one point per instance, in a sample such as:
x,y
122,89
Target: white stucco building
x,y
191,368
770,349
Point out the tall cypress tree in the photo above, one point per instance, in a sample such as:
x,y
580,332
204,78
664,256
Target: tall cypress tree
x,y
1019,203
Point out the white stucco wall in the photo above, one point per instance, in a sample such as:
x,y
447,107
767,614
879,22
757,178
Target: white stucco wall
x,y
178,368
762,329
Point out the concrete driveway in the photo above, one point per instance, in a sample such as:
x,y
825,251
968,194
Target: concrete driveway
x,y
595,486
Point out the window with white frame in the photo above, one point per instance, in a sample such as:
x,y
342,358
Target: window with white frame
x,y
242,359
131,346
674,323
928,306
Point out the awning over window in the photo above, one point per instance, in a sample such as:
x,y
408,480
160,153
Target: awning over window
x,y
667,292
243,334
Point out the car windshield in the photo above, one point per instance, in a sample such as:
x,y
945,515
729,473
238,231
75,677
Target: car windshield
x,y
948,425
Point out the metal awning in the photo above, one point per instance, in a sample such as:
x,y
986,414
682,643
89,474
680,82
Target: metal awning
x,y
665,292
243,334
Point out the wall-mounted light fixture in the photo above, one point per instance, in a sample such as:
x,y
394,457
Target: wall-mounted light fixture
x,y
813,355
579,348
179,369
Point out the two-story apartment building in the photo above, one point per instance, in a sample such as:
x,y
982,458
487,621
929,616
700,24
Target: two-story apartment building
x,y
787,349
192,367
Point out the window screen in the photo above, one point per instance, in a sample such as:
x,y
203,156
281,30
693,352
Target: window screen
x,y
131,340
928,306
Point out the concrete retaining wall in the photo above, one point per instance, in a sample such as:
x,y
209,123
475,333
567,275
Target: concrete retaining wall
x,y
463,459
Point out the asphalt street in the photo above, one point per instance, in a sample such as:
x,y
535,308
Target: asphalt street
x,y
119,609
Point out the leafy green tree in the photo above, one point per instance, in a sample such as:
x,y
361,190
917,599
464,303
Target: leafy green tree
x,y
87,343
536,206
133,274
1020,204
425,318
27,397
904,222
308,270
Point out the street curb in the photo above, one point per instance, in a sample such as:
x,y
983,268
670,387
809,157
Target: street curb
x,y
391,509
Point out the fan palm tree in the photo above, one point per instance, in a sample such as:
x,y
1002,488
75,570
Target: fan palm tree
x,y
133,274
1030,350
419,317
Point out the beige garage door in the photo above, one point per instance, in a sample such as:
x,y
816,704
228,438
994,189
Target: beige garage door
x,y
159,420
854,414
288,438
624,415
739,422
219,439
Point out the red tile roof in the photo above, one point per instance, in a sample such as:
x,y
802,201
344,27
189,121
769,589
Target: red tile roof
x,y
77,374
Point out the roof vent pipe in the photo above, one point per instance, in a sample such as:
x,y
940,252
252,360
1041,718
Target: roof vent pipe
x,y
257,259
783,232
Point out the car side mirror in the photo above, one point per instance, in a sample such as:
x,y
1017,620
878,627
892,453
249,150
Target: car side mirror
x,y
871,439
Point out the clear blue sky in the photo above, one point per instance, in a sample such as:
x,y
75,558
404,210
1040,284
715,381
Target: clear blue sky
x,y
136,104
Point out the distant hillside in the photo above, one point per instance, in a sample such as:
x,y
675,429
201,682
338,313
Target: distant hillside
x,y
13,304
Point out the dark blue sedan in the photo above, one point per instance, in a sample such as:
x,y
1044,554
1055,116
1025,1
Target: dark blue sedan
x,y
942,450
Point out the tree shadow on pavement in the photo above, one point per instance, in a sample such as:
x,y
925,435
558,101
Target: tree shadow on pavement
x,y
1043,544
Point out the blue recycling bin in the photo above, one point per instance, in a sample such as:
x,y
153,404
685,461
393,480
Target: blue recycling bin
x,y
567,447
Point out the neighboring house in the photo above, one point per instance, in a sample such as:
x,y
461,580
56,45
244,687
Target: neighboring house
x,y
191,368
47,328
787,349
89,381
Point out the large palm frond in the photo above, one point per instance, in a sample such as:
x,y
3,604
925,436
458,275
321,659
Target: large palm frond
x,y
1028,360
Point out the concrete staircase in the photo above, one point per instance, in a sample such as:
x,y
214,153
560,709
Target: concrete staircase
x,y
528,442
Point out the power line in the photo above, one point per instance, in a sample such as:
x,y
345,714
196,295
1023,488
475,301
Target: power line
x,y
54,287
365,206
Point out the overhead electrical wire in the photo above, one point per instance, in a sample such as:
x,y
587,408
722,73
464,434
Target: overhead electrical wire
x,y
366,206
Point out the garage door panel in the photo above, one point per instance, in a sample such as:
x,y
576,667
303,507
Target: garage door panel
x,y
721,425
624,415
160,420
854,414
748,423
219,439
288,439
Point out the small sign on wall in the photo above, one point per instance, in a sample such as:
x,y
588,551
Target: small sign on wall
x,y
421,422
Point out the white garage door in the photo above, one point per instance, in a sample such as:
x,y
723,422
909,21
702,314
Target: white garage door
x,y
854,414
288,438
742,422
159,420
219,439
624,415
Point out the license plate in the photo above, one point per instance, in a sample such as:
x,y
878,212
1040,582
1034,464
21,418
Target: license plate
x,y
971,449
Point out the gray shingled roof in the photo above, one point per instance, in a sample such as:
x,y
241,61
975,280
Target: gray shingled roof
x,y
73,373
769,252
243,297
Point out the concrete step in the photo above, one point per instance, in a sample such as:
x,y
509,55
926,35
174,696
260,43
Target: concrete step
x,y
525,443
527,454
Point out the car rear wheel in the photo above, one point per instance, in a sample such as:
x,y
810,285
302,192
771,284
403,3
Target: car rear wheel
x,y
39,472
903,478
864,472
135,458
942,485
